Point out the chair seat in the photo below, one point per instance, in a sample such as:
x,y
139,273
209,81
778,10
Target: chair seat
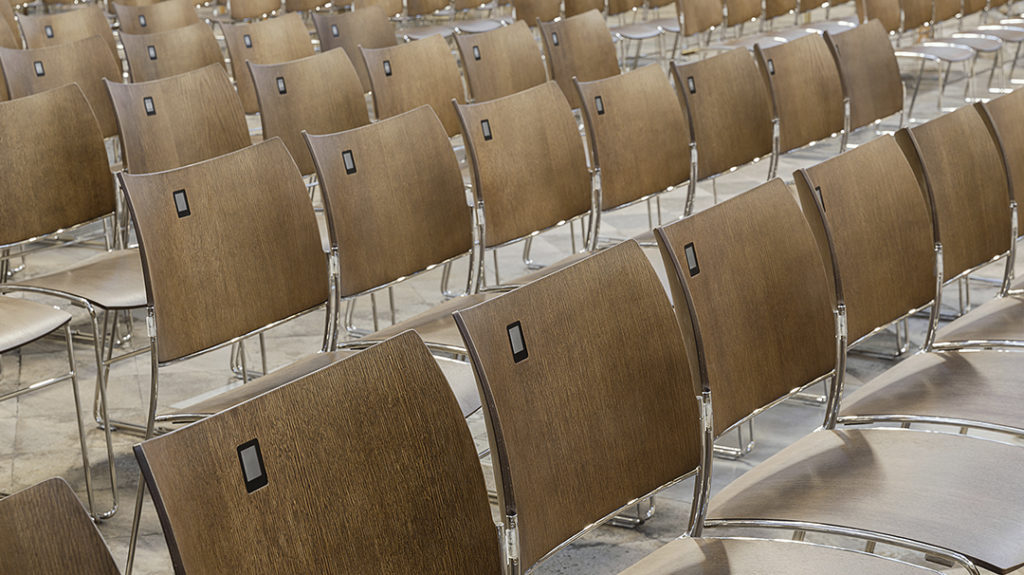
x,y
987,44
23,321
1001,319
983,386
791,34
689,556
944,51
435,326
112,280
831,26
670,25
748,42
641,31
1006,33
952,491
478,26
421,32
546,270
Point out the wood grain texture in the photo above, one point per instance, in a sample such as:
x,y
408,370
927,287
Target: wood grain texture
x,y
574,7
415,8
700,15
967,181
741,11
806,90
776,8
585,51
946,9
273,41
952,491
392,8
10,35
509,61
999,319
353,454
303,5
110,280
392,219
639,139
422,73
25,321
600,412
1003,115
177,51
53,165
160,17
532,173
85,62
44,530
322,95
762,300
368,27
253,9
534,11
70,26
917,13
198,117
730,110
880,232
869,72
887,13
248,255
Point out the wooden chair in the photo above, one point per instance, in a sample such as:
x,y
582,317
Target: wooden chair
x,y
729,112
310,6
392,8
639,137
268,42
534,11
869,72
10,35
253,10
418,14
368,27
754,298
159,17
578,47
44,30
195,116
410,75
165,54
45,530
500,62
322,487
1006,34
1001,114
319,94
85,62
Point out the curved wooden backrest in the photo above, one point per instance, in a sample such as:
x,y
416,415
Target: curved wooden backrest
x,y
271,41
616,7
159,17
388,218
1003,114
10,34
45,30
392,8
776,8
253,9
246,254
165,54
869,71
917,13
380,460
741,11
806,90
45,530
85,62
729,108
303,5
881,236
967,181
574,7
579,47
367,27
415,8
196,116
320,94
946,10
418,73
533,11
600,411
532,172
886,12
501,62
701,15
760,296
638,135
53,165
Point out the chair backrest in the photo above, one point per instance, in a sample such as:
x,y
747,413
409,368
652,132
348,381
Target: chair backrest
x,y
159,17
43,30
10,34
1003,115
45,529
377,459
880,241
574,7
165,54
534,11
392,8
889,14
268,42
501,62
303,5
414,8
739,11
368,27
916,13
207,280
529,167
729,109
411,75
253,9
53,165
179,120
869,71
320,94
965,176
807,94
946,10
638,135
776,8
420,199
85,62
612,388
701,15
579,47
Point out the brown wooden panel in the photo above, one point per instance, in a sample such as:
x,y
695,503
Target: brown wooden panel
x,y
699,16
534,11
70,26
916,13
253,9
584,51
869,71
742,11
392,8
600,411
509,61
776,8
946,9
272,41
887,13
415,8
177,51
1003,115
247,255
10,35
368,27
999,319
574,7
159,17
